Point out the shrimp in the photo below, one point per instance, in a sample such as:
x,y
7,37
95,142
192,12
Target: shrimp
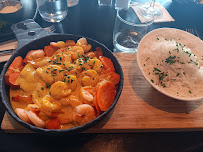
x,y
48,104
34,54
23,115
83,114
33,107
36,120
59,90
69,104
59,44
71,100
50,74
88,93
76,52
82,42
72,81
94,64
90,78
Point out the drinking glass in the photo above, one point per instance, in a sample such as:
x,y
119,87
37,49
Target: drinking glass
x,y
52,10
129,30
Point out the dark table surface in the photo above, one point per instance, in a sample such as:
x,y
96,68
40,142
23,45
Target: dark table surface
x,y
90,20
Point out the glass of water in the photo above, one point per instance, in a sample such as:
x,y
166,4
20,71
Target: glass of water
x,y
52,10
129,30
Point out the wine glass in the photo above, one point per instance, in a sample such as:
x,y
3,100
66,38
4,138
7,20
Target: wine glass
x,y
145,9
155,10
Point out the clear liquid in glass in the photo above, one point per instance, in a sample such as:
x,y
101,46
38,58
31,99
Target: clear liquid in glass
x,y
52,10
127,41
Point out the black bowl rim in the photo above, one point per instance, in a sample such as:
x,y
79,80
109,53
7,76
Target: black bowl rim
x,y
60,131
19,2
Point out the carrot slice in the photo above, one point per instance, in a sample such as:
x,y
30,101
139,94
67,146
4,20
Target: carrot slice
x,y
98,110
107,63
98,52
49,50
105,95
53,124
12,79
112,76
17,63
70,43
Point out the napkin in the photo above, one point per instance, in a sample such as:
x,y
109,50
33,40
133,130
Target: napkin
x,y
165,18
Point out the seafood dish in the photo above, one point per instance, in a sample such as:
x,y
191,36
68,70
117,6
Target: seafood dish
x,y
63,85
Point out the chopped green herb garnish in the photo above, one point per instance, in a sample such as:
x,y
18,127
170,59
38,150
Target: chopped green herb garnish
x,y
157,38
178,74
155,69
171,59
152,81
147,58
42,88
61,70
190,91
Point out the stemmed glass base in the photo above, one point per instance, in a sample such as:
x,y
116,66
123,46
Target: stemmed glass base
x,y
146,10
156,12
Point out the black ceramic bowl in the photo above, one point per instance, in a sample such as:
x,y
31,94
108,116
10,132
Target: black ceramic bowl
x,y
11,14
38,44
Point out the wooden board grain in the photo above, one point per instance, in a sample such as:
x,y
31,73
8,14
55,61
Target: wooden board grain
x,y
140,108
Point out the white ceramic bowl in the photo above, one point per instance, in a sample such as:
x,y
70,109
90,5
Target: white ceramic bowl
x,y
148,40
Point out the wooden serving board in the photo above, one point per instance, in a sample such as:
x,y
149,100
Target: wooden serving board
x,y
140,108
